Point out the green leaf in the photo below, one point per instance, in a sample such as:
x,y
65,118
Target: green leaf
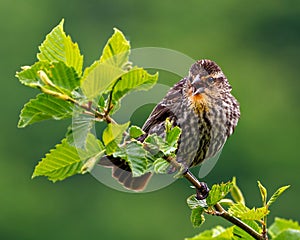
x,y
241,234
91,162
60,163
80,129
135,155
241,211
277,194
197,217
56,75
113,135
92,148
44,107
99,78
58,47
135,132
217,233
193,202
290,234
161,166
93,151
281,225
172,136
65,161
63,76
263,192
116,51
155,144
29,75
218,192
236,193
227,202
135,79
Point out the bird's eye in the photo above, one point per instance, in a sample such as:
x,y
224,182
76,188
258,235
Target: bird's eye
x,y
210,80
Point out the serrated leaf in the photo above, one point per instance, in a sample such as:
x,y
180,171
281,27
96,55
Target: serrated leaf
x,y
135,79
63,76
58,75
116,51
217,233
277,194
60,47
113,135
99,78
60,163
197,217
241,211
65,161
193,202
29,76
156,145
161,166
236,193
44,107
135,132
263,192
281,225
218,192
135,155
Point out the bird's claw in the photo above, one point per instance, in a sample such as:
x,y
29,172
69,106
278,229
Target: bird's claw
x,y
202,193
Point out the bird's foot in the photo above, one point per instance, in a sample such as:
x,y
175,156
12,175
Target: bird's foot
x,y
202,193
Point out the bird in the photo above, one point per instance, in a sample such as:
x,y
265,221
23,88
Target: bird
x,y
202,105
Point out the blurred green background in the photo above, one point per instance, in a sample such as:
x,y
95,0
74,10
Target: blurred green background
x,y
255,42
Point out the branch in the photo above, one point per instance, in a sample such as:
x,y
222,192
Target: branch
x,y
93,112
201,188
224,214
220,211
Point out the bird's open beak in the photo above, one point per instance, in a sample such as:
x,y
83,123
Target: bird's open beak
x,y
198,85
198,91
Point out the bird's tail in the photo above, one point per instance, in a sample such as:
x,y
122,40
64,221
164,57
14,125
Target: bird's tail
x,y
122,172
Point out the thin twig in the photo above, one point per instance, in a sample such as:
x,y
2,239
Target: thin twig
x,y
109,105
264,228
90,111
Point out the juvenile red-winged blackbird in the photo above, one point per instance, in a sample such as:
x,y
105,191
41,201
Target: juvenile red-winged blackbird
x,y
202,106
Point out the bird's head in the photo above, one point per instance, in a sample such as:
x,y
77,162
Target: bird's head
x,y
207,81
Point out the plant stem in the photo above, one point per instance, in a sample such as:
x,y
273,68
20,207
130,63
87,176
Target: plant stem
x,y
224,214
221,211
109,105
264,228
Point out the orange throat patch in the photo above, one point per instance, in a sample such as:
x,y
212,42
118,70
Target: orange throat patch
x,y
198,102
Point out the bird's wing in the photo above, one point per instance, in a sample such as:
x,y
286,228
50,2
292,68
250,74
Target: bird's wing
x,y
160,113
163,110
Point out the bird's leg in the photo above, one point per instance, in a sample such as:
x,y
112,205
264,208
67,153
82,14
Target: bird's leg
x,y
202,189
